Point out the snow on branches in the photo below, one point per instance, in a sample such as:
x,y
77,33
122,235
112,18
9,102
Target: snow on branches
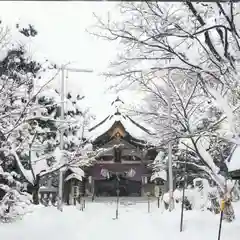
x,y
184,58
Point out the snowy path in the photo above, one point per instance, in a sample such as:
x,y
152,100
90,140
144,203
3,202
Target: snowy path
x,y
96,223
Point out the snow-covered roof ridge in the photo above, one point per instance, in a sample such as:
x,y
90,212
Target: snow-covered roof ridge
x,y
100,123
117,100
135,129
140,126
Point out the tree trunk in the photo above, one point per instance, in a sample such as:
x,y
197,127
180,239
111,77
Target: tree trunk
x,y
235,193
35,191
35,196
215,206
228,212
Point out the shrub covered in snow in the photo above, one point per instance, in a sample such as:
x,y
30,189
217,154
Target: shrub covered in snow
x,y
14,202
200,196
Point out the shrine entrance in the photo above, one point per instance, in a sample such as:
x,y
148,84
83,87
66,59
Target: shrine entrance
x,y
108,187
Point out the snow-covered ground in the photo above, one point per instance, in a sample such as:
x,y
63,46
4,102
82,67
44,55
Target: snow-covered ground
x,y
97,222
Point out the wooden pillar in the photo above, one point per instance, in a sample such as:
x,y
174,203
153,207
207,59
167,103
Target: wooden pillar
x,y
82,187
89,186
71,192
75,183
93,186
49,182
144,182
142,190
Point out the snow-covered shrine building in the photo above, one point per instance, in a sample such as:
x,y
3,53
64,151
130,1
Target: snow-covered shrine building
x,y
124,157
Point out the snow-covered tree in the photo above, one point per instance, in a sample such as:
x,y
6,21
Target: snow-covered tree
x,y
40,154
183,55
14,201
18,72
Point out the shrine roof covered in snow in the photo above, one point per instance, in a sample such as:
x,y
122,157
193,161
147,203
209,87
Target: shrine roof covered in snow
x,y
131,129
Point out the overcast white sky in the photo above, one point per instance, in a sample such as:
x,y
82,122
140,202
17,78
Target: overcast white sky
x,y
62,38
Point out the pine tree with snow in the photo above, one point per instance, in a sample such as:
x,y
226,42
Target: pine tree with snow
x,y
37,153
45,129
18,72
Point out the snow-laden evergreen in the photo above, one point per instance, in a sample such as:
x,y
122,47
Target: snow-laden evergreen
x,y
30,128
17,76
